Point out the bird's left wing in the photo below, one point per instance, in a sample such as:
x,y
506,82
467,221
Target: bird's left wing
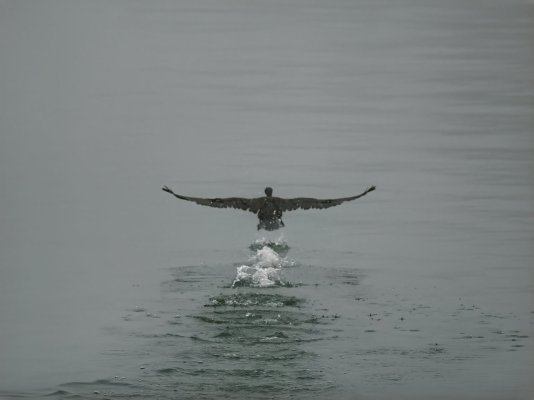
x,y
240,203
307,202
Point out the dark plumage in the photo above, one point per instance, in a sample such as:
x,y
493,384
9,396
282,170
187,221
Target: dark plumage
x,y
269,209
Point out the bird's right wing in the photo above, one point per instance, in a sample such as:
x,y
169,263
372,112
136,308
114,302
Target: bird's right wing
x,y
308,202
241,203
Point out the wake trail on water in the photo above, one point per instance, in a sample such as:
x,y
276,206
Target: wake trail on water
x,y
264,268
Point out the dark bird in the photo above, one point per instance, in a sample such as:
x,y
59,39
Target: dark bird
x,y
269,209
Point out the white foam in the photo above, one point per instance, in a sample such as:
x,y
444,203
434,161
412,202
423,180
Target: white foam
x,y
266,258
257,276
264,268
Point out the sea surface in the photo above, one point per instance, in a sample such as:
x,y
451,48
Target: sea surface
x,y
111,288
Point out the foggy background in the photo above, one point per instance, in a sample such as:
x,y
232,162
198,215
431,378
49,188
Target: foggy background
x,y
102,103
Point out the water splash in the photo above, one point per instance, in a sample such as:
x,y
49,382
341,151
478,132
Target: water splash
x,y
279,245
265,265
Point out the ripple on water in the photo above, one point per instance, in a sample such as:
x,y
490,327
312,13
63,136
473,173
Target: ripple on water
x,y
256,338
258,318
254,299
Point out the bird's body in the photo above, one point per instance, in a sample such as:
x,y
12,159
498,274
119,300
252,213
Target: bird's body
x,y
269,209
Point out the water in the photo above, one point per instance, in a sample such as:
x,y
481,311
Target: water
x,y
111,288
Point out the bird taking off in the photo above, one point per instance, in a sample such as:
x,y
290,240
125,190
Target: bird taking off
x,y
269,209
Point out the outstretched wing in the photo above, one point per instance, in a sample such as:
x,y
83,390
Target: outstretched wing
x,y
307,202
252,205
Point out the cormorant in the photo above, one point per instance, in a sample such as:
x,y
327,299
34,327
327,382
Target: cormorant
x,y
268,208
